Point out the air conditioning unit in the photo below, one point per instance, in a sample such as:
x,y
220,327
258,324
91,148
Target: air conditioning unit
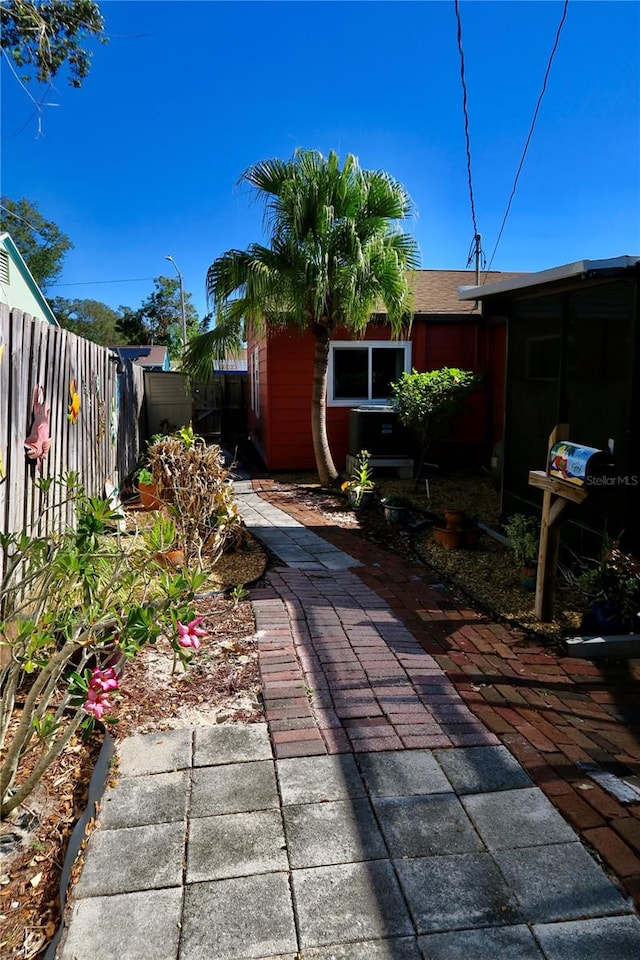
x,y
378,430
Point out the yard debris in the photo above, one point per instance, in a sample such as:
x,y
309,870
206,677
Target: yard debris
x,y
621,789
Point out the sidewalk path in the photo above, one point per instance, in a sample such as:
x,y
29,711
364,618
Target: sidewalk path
x,y
374,817
552,712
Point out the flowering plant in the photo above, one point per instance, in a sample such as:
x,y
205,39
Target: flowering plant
x,y
74,606
361,479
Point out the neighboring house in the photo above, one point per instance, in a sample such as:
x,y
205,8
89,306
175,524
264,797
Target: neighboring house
x,y
18,289
233,364
149,357
445,332
573,357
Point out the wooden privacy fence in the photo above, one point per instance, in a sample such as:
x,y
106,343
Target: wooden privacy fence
x,y
93,416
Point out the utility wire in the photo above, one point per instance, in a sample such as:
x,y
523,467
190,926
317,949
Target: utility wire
x,y
466,119
530,134
18,217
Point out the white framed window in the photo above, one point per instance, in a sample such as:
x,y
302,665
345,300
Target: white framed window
x,y
255,381
362,371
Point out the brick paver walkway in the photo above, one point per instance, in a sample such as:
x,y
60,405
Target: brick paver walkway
x,y
552,712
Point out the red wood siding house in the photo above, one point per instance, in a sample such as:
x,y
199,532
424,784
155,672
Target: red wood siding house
x,y
445,332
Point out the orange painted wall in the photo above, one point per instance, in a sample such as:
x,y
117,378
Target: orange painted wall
x,y
282,433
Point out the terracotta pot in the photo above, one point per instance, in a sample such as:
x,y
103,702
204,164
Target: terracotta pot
x,y
454,519
170,558
447,538
148,496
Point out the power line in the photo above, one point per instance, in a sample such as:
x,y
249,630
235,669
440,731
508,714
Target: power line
x,y
466,119
18,217
530,134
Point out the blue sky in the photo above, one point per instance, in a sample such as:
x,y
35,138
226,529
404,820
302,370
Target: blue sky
x,y
143,160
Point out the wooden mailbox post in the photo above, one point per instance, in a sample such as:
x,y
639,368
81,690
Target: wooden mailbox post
x,y
557,495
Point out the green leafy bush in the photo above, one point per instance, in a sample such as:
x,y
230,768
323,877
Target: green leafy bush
x,y
429,403
74,605
614,580
524,535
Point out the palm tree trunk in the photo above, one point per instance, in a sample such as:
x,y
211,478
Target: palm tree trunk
x,y
324,461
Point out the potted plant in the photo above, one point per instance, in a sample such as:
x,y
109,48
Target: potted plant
x,y
612,589
454,518
458,530
147,490
360,488
395,508
448,537
524,535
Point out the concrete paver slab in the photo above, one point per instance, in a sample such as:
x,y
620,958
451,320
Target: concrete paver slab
x,y
606,938
402,774
375,689
559,882
132,926
349,902
482,769
135,858
339,831
424,826
236,845
487,943
315,779
238,919
159,752
235,788
398,948
227,743
135,801
517,818
456,892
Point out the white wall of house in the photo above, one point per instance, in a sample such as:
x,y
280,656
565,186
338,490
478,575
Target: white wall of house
x,y
18,289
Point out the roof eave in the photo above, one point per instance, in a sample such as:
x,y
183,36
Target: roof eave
x,y
584,268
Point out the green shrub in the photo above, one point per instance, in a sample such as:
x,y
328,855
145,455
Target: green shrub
x,y
429,403
74,605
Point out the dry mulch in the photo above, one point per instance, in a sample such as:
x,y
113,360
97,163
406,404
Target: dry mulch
x,y
221,685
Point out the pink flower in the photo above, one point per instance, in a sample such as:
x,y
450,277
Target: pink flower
x,y
189,635
96,703
103,679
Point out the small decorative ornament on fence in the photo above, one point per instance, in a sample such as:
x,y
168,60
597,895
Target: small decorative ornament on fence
x,y
74,405
38,443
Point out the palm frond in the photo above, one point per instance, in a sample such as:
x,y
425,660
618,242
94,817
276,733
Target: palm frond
x,y
225,340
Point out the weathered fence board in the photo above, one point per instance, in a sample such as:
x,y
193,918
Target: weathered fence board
x,y
102,444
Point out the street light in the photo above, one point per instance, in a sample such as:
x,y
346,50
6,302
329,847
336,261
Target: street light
x,y
184,316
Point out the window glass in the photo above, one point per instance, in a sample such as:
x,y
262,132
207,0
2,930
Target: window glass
x,y
387,365
351,374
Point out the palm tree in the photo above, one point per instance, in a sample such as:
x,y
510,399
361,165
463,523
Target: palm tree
x,y
336,254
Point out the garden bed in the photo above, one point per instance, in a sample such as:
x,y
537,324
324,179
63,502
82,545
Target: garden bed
x,y
220,685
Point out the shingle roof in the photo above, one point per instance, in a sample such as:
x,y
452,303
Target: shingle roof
x,y
436,291
146,356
